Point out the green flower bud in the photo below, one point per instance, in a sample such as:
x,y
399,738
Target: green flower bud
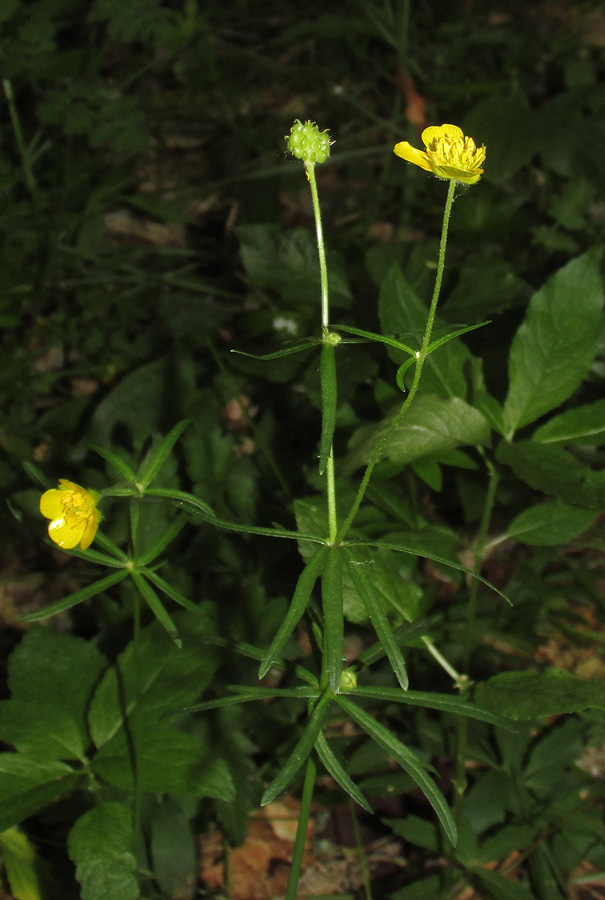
x,y
348,680
308,143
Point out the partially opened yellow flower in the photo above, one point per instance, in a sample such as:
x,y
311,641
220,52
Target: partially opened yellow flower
x,y
74,514
449,154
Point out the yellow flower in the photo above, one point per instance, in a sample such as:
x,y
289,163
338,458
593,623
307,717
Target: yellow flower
x,y
74,514
449,154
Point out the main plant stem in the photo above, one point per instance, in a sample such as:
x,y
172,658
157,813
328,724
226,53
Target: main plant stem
x,y
420,360
325,328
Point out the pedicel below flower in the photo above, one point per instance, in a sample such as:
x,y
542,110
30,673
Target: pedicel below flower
x,y
74,514
449,154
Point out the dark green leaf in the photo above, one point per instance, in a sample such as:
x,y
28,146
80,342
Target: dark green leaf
x,y
168,761
554,471
550,524
502,888
531,695
583,425
100,845
29,784
555,346
431,426
155,676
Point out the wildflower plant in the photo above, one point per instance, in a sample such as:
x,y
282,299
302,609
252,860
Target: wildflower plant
x,y
344,563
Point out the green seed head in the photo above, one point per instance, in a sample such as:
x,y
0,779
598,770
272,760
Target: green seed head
x,y
308,143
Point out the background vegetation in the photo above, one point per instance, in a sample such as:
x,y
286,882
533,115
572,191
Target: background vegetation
x,y
151,224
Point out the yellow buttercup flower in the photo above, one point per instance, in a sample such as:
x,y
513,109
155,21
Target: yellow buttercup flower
x,y
449,154
74,514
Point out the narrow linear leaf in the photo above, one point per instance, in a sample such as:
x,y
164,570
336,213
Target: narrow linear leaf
x,y
380,623
300,599
442,702
406,759
464,329
152,466
372,336
305,344
247,695
157,607
301,751
331,595
181,497
116,461
170,590
329,395
424,552
77,597
195,507
335,769
303,692
162,541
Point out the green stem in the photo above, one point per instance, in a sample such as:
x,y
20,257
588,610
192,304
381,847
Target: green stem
x,y
459,780
420,360
136,730
325,327
23,153
301,829
363,863
480,545
321,249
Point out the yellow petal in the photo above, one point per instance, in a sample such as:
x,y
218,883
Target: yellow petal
x,y
410,154
89,532
432,134
67,534
51,504
71,486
